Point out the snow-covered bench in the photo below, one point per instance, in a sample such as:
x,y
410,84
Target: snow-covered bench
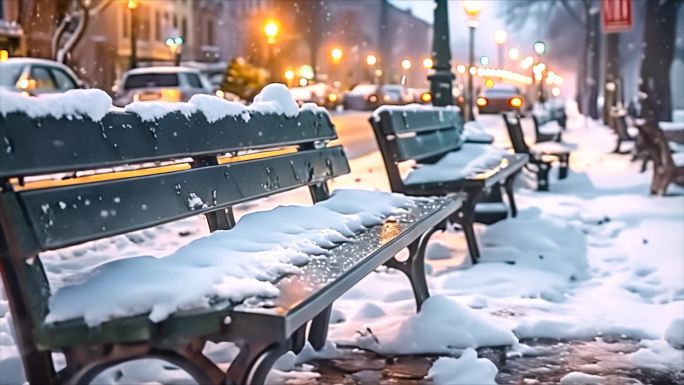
x,y
266,283
541,155
546,126
431,139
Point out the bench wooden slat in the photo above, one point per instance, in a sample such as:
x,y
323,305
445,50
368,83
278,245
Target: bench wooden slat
x,y
425,145
420,121
68,215
31,146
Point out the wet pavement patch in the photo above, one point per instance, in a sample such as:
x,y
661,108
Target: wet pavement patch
x,y
549,361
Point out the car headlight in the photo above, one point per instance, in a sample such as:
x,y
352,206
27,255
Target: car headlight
x,y
515,102
481,101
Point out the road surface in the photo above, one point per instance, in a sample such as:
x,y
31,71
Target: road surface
x,y
355,133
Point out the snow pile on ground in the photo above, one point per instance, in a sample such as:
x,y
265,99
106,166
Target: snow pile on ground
x,y
233,265
465,370
579,378
442,326
92,103
469,160
674,335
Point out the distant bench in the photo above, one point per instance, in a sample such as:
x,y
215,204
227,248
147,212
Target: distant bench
x,y
433,139
541,155
547,123
59,214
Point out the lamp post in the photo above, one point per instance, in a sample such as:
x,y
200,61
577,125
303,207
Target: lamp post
x,y
540,50
175,44
441,80
371,60
500,38
472,10
132,6
271,30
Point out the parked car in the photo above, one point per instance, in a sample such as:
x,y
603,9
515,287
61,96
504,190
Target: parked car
x,y
172,84
322,94
459,99
500,98
371,96
37,76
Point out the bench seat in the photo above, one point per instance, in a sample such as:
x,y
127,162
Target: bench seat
x,y
550,148
495,171
302,295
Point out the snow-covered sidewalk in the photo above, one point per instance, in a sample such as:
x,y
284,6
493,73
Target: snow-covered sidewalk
x,y
596,256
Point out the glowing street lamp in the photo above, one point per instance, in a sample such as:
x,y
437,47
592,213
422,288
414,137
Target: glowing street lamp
x,y
289,76
132,4
371,60
175,44
271,30
336,55
406,64
472,9
514,54
484,60
539,47
461,69
428,63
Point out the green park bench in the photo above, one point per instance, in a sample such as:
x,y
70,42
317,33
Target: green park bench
x,y
34,220
427,136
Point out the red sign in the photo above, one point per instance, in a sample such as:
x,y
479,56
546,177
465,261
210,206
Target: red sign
x,y
617,15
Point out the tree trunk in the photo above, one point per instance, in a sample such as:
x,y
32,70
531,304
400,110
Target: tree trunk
x,y
659,44
612,86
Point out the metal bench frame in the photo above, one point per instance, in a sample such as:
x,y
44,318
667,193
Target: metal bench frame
x,y
426,136
541,118
35,220
540,164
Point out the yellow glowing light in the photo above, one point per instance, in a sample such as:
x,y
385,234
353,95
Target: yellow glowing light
x,y
514,54
4,55
132,4
336,54
515,102
289,74
461,69
303,82
371,60
481,101
489,83
555,91
220,93
472,8
428,63
527,62
271,30
378,72
500,37
23,83
332,97
426,97
406,64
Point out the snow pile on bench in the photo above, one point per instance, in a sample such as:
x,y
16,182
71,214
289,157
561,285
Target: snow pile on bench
x,y
233,265
92,103
474,131
412,108
470,160
273,99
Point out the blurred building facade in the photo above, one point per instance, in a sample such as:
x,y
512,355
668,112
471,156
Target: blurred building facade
x,y
220,30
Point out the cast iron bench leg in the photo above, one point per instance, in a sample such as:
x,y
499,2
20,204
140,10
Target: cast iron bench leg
x,y
543,176
508,187
563,169
299,339
465,218
414,266
318,332
252,364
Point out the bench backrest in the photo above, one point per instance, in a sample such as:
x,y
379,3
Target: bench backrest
x,y
423,134
58,216
515,132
